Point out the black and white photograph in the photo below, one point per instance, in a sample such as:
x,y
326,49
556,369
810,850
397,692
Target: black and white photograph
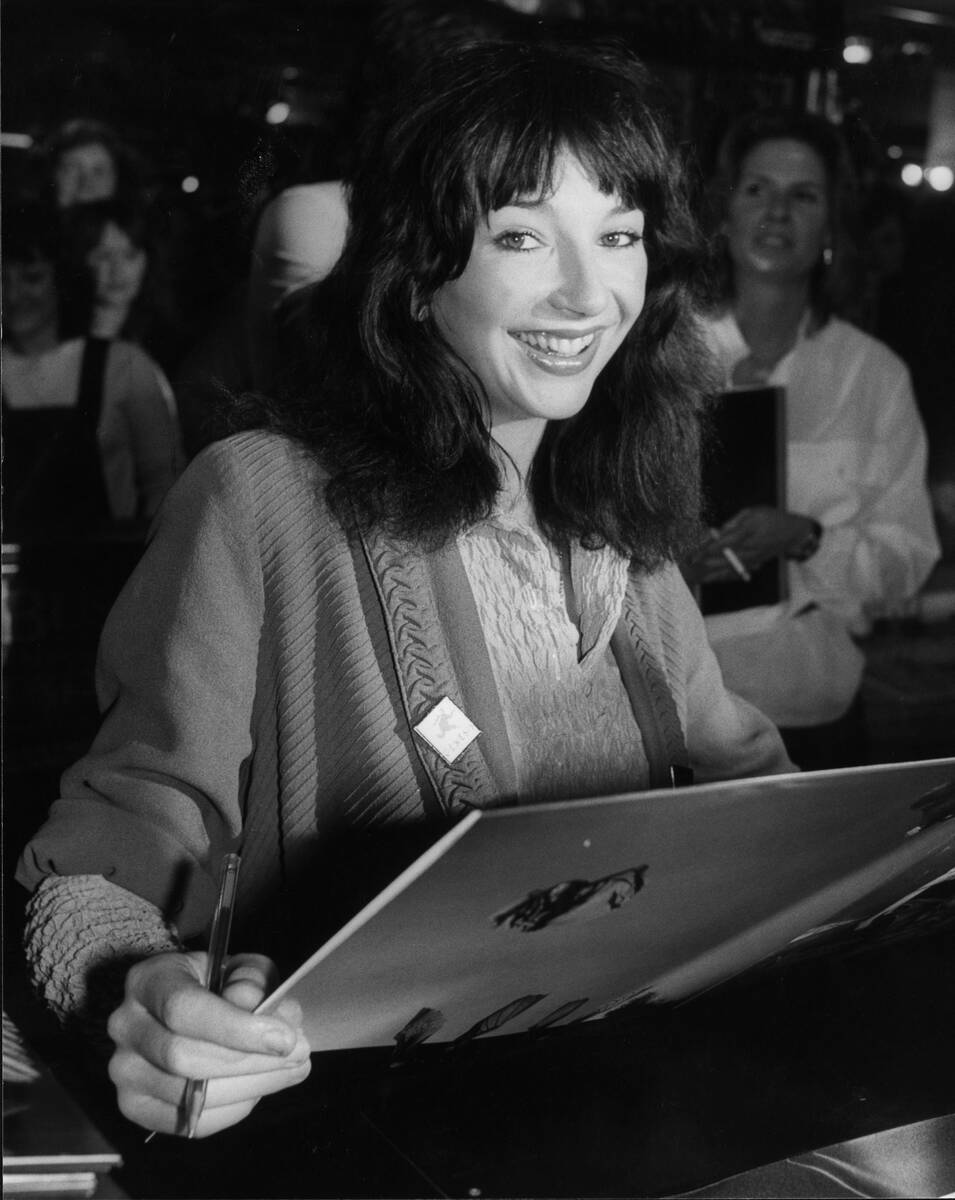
x,y
478,598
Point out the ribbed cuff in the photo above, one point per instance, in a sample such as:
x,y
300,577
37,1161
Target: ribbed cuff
x,y
82,934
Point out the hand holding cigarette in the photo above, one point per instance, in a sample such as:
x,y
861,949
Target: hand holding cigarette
x,y
733,559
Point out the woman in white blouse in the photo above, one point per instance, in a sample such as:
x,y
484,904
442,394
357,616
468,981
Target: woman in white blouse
x,y
857,532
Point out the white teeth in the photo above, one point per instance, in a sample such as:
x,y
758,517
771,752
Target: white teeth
x,y
552,344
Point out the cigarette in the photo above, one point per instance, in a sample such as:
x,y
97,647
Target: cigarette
x,y
734,561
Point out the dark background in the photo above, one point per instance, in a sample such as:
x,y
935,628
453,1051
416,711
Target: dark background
x,y
189,83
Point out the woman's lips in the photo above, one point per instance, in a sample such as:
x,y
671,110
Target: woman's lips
x,y
557,353
773,241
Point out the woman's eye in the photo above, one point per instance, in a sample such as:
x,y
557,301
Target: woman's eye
x,y
806,196
620,239
517,239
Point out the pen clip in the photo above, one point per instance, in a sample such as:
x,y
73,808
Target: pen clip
x,y
222,923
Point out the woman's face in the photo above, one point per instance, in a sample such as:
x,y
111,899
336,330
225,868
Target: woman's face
x,y
118,267
551,289
83,174
30,304
778,220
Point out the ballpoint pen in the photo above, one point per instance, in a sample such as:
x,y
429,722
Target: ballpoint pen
x,y
195,1095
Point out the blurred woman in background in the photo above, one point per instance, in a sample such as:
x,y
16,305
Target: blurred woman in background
x,y
90,433
115,279
856,530
87,160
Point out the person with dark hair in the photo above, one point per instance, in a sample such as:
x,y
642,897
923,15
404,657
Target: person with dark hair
x,y
459,521
856,533
114,278
89,426
88,160
301,232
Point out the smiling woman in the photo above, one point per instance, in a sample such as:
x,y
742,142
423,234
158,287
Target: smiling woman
x,y
553,212
551,289
441,579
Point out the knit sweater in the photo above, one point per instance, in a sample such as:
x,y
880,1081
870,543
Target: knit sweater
x,y
261,676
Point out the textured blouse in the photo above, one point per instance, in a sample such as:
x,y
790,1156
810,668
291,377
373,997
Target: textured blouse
x,y
567,712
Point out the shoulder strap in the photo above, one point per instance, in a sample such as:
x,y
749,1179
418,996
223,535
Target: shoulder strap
x,y
89,402
655,714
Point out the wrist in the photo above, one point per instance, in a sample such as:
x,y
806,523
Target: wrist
x,y
803,547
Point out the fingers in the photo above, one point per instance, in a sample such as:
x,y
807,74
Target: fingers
x,y
167,1118
756,535
169,996
199,1056
134,1075
154,1099
249,979
170,1029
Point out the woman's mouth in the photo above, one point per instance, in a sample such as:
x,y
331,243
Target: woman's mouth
x,y
557,353
773,241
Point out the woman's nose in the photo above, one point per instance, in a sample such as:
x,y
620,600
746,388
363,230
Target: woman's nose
x,y
777,204
580,286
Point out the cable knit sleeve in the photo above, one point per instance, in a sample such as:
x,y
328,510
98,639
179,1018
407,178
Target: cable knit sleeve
x,y
82,935
726,737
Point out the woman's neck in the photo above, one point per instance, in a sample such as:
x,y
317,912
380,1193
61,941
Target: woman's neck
x,y
108,320
519,441
33,344
769,316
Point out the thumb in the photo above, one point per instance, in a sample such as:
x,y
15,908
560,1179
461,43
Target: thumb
x,y
249,979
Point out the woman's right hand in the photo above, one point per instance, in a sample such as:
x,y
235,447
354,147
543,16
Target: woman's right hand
x,y
170,1029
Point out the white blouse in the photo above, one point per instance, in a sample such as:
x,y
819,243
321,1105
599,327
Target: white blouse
x,y
856,461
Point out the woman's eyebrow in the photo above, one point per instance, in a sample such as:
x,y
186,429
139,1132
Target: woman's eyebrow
x,y
618,210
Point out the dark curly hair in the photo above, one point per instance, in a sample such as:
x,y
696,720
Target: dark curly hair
x,y
153,320
833,287
131,169
398,419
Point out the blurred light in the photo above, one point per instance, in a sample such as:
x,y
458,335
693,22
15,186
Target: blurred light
x,y
911,174
940,178
894,151
190,184
277,113
918,16
16,141
916,49
290,73
857,51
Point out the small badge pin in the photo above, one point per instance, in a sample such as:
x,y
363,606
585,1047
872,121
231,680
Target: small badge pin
x,y
447,730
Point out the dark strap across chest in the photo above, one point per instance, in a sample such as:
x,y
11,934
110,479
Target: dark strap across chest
x,y
53,475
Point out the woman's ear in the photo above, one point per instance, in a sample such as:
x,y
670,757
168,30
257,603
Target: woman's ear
x,y
827,249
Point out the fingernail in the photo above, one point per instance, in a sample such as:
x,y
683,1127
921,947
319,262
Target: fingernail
x,y
278,1041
